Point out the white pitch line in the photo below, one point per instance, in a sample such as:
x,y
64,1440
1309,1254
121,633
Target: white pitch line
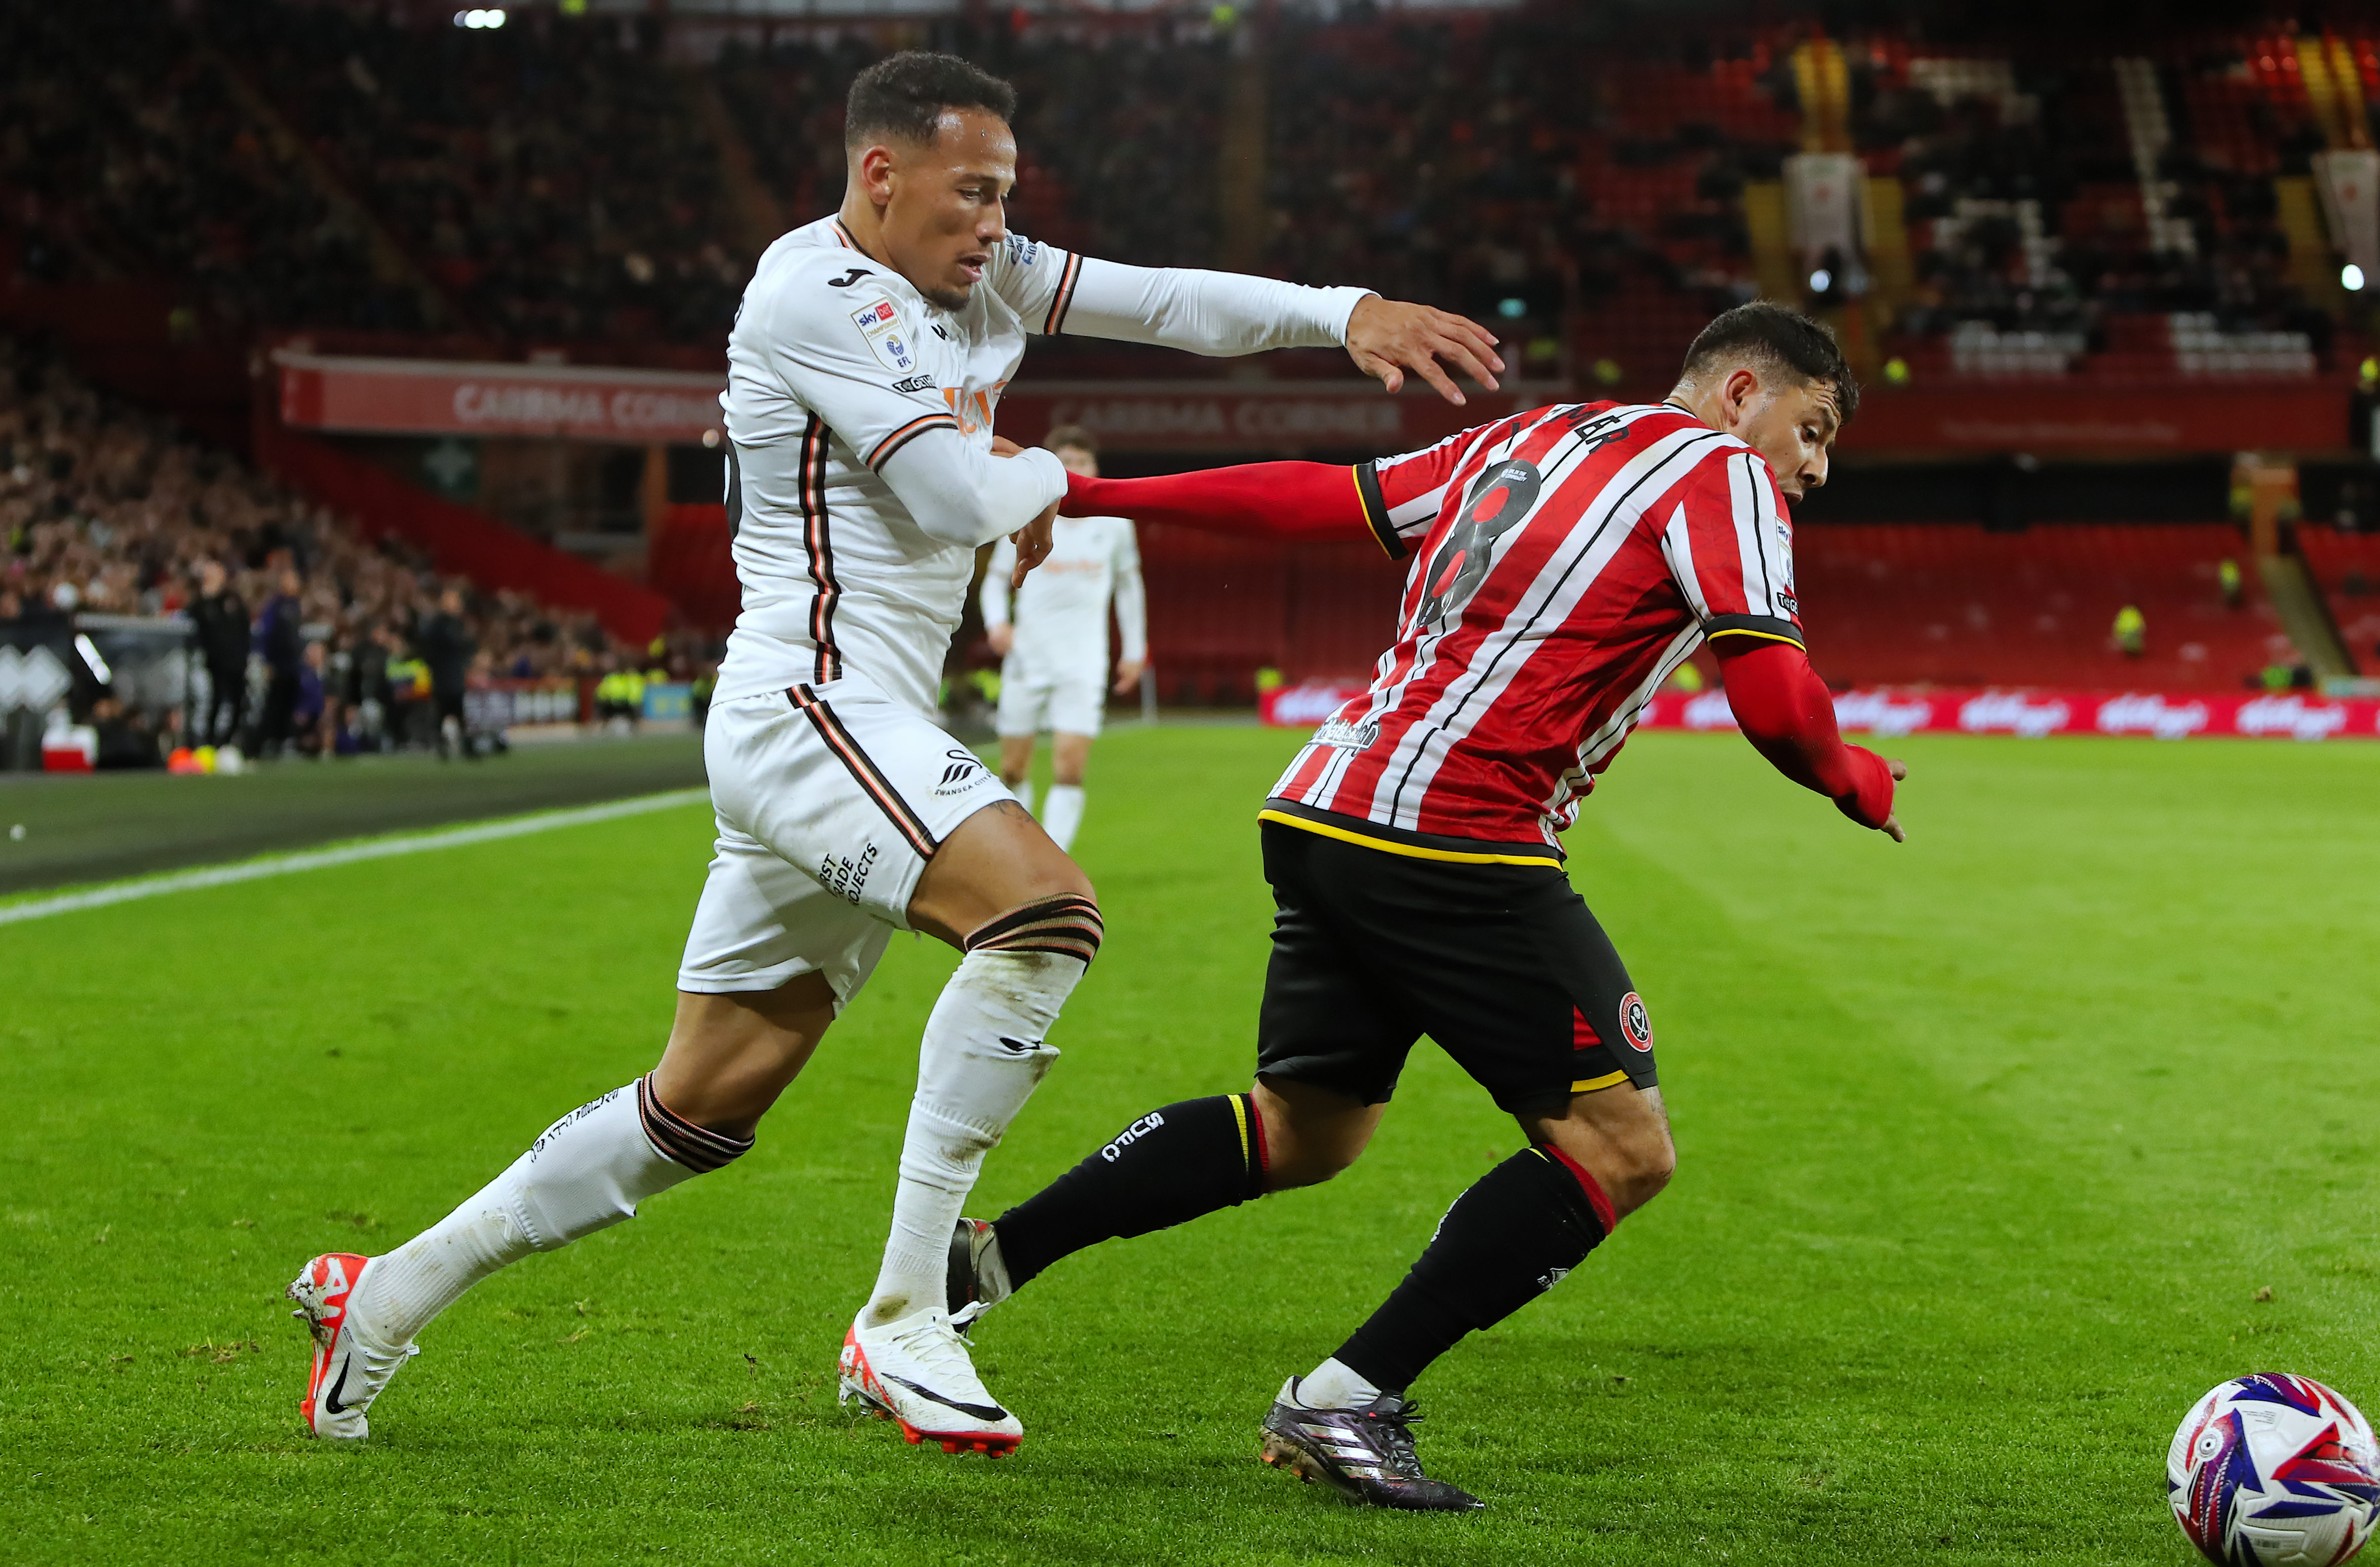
x,y
323,859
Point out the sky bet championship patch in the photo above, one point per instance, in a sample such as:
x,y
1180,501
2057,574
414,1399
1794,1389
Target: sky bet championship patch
x,y
880,325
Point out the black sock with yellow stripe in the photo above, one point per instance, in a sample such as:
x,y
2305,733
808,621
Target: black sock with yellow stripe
x,y
1167,1168
1505,1242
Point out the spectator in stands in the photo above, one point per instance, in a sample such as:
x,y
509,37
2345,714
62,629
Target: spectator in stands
x,y
223,633
2131,631
314,712
445,644
98,502
367,688
408,680
279,642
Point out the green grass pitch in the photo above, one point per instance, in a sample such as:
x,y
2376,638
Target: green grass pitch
x,y
1989,1144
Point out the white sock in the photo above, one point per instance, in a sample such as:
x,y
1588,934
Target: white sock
x,y
1333,1386
588,1172
983,1055
1063,814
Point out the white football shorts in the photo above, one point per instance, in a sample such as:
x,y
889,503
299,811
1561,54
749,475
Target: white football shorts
x,y
1073,704
830,800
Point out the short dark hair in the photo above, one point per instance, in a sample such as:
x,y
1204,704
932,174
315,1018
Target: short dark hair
x,y
903,96
1772,336
1072,435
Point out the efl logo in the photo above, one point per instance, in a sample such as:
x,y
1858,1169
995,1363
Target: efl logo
x,y
1636,1023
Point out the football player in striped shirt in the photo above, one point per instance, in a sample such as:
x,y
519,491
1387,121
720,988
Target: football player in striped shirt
x,y
866,361
1565,560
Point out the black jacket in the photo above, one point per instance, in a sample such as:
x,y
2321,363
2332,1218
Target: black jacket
x,y
221,621
445,644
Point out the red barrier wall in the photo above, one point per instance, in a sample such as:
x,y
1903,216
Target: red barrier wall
x,y
456,538
691,561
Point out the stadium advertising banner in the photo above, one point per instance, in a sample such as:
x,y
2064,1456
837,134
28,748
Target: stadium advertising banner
x,y
651,407
448,397
2287,715
1255,416
2049,418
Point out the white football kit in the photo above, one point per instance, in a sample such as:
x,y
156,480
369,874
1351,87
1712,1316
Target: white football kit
x,y
860,483
1055,675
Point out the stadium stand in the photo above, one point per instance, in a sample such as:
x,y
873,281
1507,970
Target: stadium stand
x,y
2119,212
565,180
105,509
1951,604
129,152
2347,567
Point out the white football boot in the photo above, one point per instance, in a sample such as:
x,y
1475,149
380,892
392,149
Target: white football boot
x,y
350,1365
915,1371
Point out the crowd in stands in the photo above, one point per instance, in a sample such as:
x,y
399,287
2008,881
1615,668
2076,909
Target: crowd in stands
x,y
1116,131
562,179
125,152
310,636
556,185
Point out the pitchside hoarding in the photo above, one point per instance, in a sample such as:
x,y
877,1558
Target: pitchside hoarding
x,y
2289,715
642,406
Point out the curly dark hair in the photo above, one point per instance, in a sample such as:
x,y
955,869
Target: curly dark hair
x,y
1783,339
903,96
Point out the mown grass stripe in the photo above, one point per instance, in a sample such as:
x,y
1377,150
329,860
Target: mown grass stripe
x,y
347,853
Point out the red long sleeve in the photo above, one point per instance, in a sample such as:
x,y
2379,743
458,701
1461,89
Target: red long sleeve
x,y
1262,500
1786,712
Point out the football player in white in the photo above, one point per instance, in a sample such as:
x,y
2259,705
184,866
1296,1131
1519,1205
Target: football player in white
x,y
1053,672
864,365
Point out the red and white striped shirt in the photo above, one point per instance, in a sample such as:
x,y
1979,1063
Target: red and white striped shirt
x,y
1566,560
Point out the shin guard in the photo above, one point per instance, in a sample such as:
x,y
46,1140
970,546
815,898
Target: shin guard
x,y
1506,1241
588,1172
985,1051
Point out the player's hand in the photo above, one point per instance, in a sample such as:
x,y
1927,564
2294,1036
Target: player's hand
x,y
1002,447
1892,828
1002,637
1386,339
1033,544
1127,679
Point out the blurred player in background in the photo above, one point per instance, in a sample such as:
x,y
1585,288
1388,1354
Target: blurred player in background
x,y
864,370
1053,673
1566,560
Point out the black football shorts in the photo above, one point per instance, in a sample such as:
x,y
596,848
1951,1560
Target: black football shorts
x,y
1502,965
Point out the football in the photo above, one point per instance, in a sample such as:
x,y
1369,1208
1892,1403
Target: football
x,y
2274,1471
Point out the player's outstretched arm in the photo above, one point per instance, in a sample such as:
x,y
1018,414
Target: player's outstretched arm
x,y
1255,500
1387,339
1223,313
1789,715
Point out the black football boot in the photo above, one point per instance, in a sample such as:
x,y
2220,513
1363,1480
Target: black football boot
x,y
978,1281
1366,1454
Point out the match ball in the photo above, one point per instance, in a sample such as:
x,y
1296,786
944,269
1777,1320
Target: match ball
x,y
2274,1471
